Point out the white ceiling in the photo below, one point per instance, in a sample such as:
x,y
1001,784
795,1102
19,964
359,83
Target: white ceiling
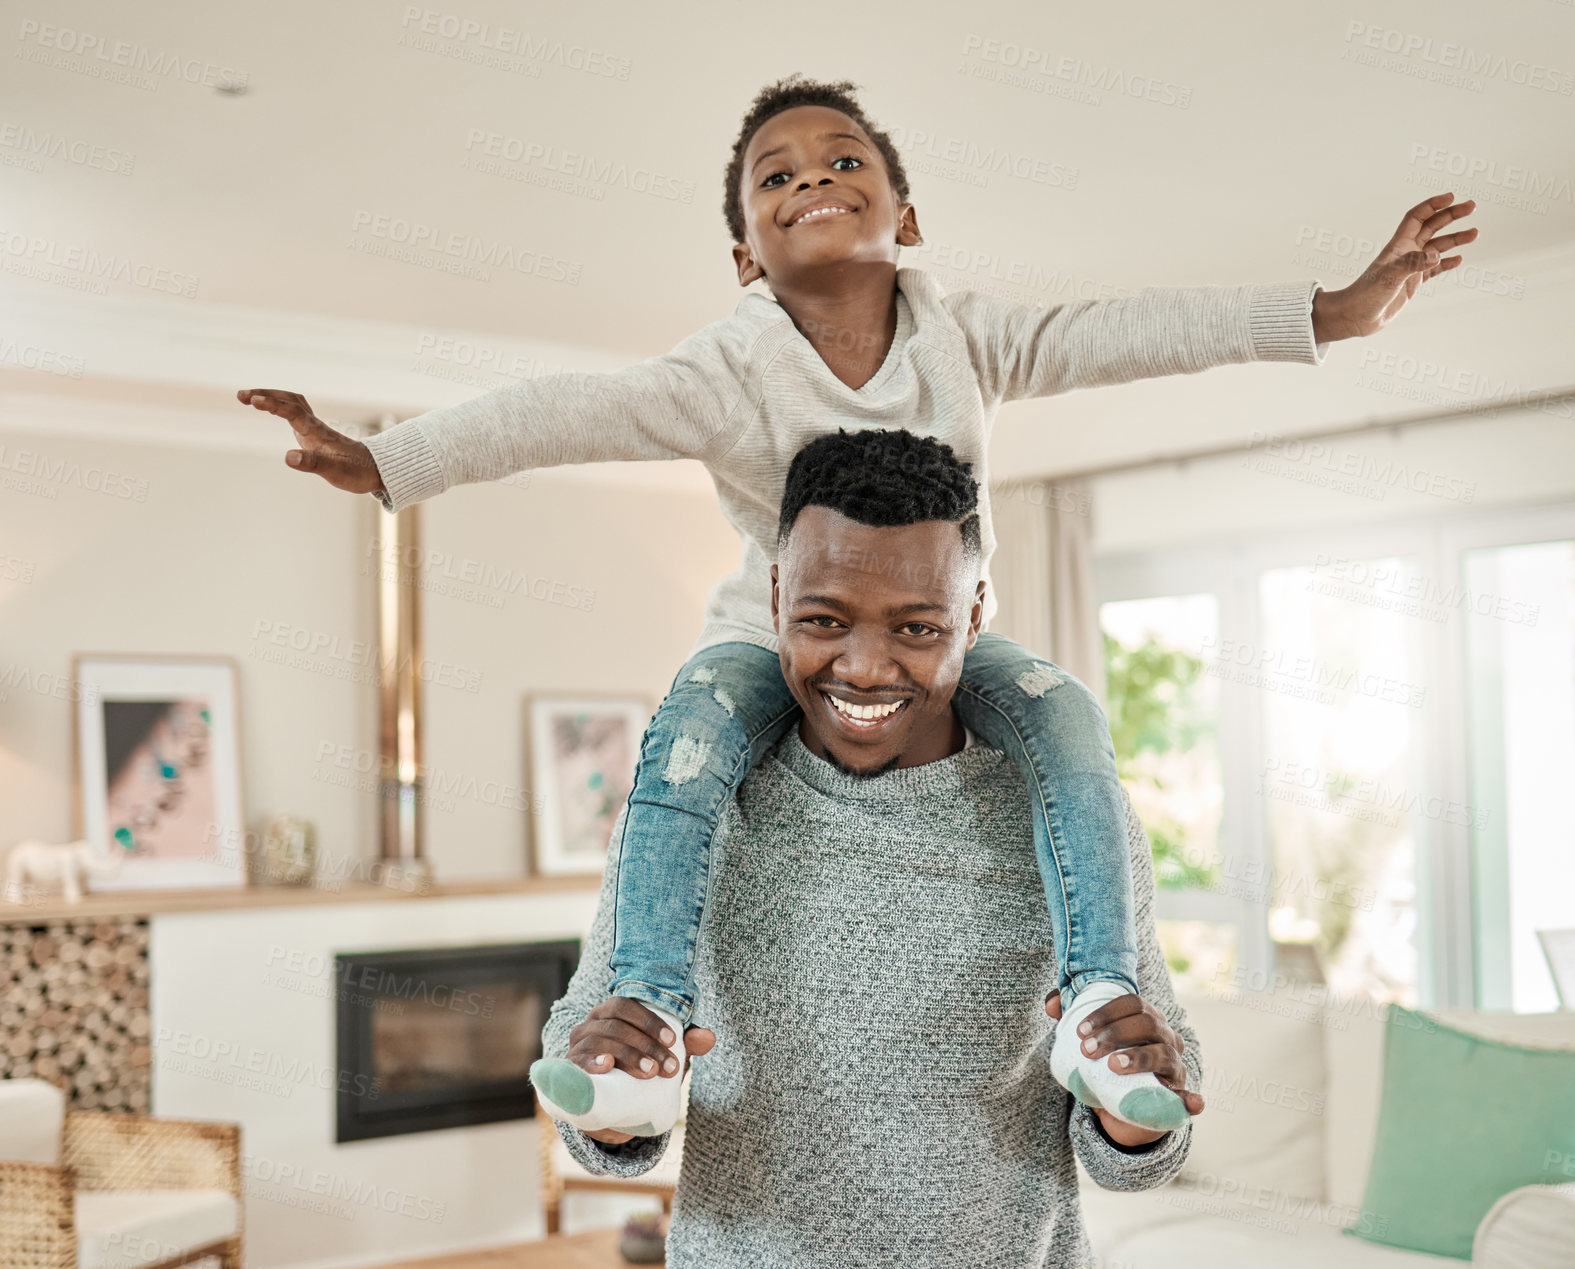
x,y
1285,136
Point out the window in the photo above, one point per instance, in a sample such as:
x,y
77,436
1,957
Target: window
x,y
1520,645
1163,709
1370,768
1164,720
1337,669
1203,955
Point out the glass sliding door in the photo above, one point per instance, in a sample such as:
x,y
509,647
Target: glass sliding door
x,y
1339,671
1519,603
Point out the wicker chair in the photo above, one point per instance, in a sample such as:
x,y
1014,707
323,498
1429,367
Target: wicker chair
x,y
115,1171
560,1173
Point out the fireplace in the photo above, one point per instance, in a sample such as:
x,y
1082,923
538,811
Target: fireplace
x,y
442,1037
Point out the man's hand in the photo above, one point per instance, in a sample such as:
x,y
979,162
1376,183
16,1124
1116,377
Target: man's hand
x,y
343,461
1147,1043
623,1033
1407,260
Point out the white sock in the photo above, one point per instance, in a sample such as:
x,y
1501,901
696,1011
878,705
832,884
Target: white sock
x,y
614,1099
1137,1097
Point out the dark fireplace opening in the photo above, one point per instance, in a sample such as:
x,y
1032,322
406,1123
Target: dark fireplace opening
x,y
442,1037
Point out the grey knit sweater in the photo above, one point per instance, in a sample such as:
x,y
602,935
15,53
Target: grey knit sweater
x,y
745,394
874,962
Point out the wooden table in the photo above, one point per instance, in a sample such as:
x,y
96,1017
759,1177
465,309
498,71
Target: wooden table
x,y
595,1250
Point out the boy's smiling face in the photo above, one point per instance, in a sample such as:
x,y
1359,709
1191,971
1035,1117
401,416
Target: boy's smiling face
x,y
816,195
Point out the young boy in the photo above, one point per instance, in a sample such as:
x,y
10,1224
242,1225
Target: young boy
x,y
816,201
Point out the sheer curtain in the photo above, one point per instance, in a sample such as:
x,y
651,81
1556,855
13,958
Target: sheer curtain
x,y
1043,573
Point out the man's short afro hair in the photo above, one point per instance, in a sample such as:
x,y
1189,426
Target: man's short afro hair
x,y
882,477
772,100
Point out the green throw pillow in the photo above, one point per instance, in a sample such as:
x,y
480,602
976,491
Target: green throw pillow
x,y
1463,1122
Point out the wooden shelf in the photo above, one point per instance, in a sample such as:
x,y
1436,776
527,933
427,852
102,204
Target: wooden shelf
x,y
138,903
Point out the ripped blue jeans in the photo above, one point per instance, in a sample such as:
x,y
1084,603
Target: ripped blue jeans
x,y
728,705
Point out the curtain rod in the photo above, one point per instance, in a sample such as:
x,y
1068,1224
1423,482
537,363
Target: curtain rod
x,y
1526,400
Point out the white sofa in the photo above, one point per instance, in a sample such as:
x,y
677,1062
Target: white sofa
x,y
1279,1158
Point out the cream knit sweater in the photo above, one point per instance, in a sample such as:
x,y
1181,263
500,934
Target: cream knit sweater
x,y
745,394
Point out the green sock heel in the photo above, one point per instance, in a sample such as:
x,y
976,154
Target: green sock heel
x,y
563,1084
1078,1087
1157,1109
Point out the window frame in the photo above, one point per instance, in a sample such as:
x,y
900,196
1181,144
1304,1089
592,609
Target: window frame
x,y
1448,924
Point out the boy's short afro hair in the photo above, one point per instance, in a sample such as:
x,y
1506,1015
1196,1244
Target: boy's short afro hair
x,y
772,100
882,477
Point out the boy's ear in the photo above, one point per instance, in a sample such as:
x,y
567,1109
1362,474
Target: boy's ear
x,y
748,270
908,234
774,622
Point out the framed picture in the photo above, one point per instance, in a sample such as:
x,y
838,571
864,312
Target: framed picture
x,y
580,753
157,762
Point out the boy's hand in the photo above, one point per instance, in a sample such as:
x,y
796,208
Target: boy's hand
x,y
619,1032
1140,1031
343,461
1407,260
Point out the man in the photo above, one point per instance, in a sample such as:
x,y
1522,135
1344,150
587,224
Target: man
x,y
876,876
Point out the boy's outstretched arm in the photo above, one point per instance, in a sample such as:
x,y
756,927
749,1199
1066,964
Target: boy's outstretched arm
x,y
1020,351
677,405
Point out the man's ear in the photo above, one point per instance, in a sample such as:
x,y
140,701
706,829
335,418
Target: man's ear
x,y
775,623
976,613
748,269
908,234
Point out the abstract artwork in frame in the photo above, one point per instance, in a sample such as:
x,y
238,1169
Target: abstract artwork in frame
x,y
158,770
580,757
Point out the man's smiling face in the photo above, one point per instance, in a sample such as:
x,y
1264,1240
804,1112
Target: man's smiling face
x,y
816,193
873,624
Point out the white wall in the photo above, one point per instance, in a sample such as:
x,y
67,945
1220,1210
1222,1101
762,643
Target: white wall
x,y
1280,485
624,571
209,544
243,1023
225,550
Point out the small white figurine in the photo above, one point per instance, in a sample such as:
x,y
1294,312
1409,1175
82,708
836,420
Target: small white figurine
x,y
44,862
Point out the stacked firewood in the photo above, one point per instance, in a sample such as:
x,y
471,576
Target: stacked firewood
x,y
74,1009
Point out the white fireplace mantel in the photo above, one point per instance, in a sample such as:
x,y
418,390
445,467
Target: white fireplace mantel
x,y
243,1027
